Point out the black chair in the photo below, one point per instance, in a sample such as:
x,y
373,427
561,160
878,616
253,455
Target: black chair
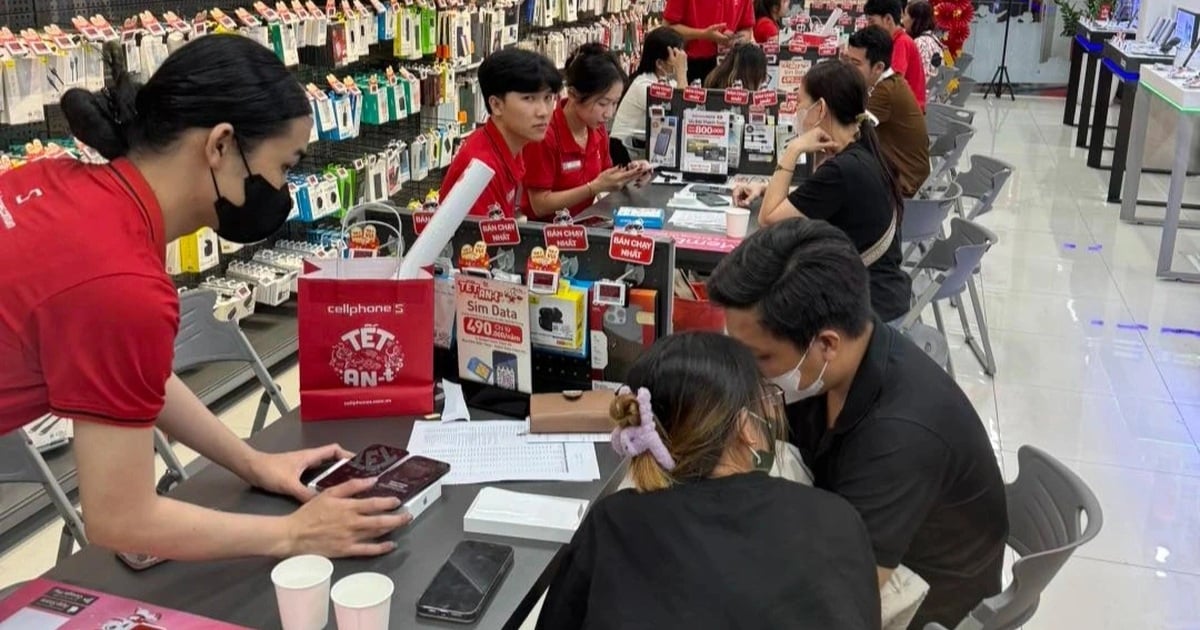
x,y
620,155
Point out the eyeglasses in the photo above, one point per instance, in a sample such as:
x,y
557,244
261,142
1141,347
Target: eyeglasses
x,y
772,410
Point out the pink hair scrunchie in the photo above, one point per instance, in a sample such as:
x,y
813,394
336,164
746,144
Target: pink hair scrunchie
x,y
635,440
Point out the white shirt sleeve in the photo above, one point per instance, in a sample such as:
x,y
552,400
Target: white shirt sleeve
x,y
630,121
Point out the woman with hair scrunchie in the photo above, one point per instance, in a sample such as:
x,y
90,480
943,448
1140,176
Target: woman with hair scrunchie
x,y
88,314
706,539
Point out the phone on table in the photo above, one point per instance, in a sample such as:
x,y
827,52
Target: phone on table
x,y
139,561
715,201
408,479
462,587
595,221
709,189
372,461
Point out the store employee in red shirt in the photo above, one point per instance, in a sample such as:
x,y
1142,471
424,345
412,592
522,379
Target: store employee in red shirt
x,y
906,57
572,164
708,25
88,314
520,89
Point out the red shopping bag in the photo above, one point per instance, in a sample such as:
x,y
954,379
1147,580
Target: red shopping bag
x,y
698,314
366,341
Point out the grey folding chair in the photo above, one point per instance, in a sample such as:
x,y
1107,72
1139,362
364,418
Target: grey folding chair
x,y
963,62
941,89
924,218
946,151
983,183
966,87
204,339
1045,506
942,111
21,463
947,270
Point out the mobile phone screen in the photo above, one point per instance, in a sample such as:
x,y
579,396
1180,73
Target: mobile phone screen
x,y
463,585
595,222
408,479
372,461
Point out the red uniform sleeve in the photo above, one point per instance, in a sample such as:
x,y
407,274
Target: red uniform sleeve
x,y
542,161
676,12
765,29
900,58
746,20
106,348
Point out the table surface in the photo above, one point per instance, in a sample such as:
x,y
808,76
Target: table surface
x,y
240,591
1094,32
1131,60
1187,101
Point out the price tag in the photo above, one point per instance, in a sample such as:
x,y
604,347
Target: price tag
x,y
567,238
695,95
608,293
631,247
661,91
499,232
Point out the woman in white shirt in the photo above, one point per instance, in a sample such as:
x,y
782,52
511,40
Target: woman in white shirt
x,y
663,59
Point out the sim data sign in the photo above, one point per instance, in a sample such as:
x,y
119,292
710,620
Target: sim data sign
x,y
493,333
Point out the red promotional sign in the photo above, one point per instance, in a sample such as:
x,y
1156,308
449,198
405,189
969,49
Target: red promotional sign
x,y
631,248
798,45
420,220
695,95
771,47
498,232
489,329
828,49
661,91
735,96
567,238
702,242
766,98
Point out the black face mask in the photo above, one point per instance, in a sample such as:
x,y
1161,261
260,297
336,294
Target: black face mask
x,y
264,211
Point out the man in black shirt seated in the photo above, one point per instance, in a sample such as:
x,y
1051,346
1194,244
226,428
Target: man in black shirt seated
x,y
876,420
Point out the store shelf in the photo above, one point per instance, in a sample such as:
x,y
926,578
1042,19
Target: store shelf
x,y
272,331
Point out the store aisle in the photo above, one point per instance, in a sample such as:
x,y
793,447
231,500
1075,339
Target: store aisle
x,y
1099,364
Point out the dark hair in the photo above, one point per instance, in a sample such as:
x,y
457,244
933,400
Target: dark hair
x,y
876,42
766,8
699,382
593,69
921,14
844,91
657,47
746,63
516,70
212,80
800,276
883,8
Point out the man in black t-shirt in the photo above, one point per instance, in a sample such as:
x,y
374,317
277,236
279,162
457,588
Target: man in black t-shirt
x,y
876,420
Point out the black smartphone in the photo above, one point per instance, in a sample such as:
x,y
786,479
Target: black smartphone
x,y
462,587
715,201
372,461
595,221
700,189
408,479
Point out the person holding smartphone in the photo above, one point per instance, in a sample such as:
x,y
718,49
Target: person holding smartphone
x,y
88,326
572,164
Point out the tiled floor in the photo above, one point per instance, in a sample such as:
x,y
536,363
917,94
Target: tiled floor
x,y
1086,371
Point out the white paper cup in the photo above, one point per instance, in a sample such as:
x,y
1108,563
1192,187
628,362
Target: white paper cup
x,y
363,601
302,589
737,222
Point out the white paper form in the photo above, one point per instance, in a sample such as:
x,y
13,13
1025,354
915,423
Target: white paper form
x,y
699,220
497,450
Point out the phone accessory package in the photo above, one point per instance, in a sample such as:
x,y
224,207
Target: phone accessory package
x,y
415,479
559,320
499,512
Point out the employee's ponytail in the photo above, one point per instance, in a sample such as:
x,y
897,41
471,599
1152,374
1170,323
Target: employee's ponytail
x,y
212,80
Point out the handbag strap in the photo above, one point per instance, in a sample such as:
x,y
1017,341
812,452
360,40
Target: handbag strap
x,y
876,251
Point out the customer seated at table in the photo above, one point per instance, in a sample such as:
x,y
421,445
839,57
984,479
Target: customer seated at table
x,y
572,164
901,124
744,64
906,57
854,187
876,420
707,539
520,89
663,61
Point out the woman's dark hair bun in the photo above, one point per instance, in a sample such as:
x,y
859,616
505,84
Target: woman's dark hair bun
x,y
592,69
103,120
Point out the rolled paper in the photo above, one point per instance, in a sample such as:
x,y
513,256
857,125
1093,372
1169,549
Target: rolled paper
x,y
445,221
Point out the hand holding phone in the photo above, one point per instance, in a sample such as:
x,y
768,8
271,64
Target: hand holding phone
x,y
335,524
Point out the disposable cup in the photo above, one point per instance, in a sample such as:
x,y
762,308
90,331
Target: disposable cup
x,y
363,601
302,590
737,222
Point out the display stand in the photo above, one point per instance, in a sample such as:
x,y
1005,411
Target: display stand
x,y
1125,66
1089,37
1155,84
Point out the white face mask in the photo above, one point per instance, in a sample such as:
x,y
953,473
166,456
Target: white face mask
x,y
789,382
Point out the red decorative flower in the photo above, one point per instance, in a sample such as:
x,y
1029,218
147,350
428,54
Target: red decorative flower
x,y
953,17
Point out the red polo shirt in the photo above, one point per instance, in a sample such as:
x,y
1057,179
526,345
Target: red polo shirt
x,y
488,146
736,15
559,163
88,315
906,61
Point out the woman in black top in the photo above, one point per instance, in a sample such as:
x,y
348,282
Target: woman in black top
x,y
854,187
707,539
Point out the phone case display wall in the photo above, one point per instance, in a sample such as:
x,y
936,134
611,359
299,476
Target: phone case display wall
x,y
715,133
